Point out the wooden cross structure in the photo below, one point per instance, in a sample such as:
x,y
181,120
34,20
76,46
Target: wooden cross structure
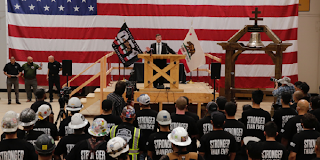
x,y
256,19
234,49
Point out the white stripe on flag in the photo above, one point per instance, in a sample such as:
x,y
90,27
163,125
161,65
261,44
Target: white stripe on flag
x,y
34,44
218,23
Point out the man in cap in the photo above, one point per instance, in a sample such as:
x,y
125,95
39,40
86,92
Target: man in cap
x,y
29,75
282,115
286,86
78,124
218,144
13,71
131,134
43,124
94,147
27,120
118,148
179,119
74,106
221,102
271,149
255,118
302,146
44,146
12,147
234,127
41,96
204,125
145,119
179,141
158,143
107,114
54,67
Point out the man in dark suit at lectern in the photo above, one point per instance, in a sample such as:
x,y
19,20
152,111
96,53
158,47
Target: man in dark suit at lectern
x,y
159,48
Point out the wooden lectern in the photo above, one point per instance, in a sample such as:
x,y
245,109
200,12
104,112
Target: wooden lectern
x,y
149,66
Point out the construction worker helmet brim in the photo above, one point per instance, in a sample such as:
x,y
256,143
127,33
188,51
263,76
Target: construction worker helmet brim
x,y
23,124
165,122
9,130
70,108
79,125
186,143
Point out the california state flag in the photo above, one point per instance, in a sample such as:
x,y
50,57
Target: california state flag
x,y
192,49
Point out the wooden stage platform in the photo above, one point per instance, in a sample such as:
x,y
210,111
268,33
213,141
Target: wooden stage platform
x,y
198,93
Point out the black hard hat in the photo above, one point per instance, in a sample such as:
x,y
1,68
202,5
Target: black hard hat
x,y
28,117
44,144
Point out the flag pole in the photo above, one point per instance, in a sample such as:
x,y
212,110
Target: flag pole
x,y
190,81
124,73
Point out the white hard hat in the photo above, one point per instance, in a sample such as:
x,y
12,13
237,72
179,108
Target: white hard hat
x,y
99,128
74,104
43,111
116,146
77,121
164,118
10,122
179,136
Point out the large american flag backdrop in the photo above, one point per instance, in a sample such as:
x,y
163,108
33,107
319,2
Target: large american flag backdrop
x,y
83,31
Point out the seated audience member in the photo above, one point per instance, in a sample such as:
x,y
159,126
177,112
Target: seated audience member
x,y
191,114
45,147
107,114
180,139
118,148
74,106
271,149
297,96
94,147
204,124
304,88
179,119
118,102
286,86
12,148
40,97
221,102
234,127
43,124
158,143
218,144
317,149
255,118
245,107
282,115
78,124
302,146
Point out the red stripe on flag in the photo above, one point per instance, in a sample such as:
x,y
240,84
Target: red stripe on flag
x,y
184,62
139,34
194,10
91,57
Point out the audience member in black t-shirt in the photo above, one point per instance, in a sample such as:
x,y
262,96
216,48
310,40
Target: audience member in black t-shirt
x,y
234,127
180,139
302,146
218,144
204,124
40,97
297,96
317,149
78,124
179,119
315,105
74,106
304,88
221,102
107,114
255,118
245,107
43,124
158,144
191,114
294,126
271,149
282,115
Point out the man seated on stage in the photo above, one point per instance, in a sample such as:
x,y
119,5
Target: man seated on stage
x,y
159,48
